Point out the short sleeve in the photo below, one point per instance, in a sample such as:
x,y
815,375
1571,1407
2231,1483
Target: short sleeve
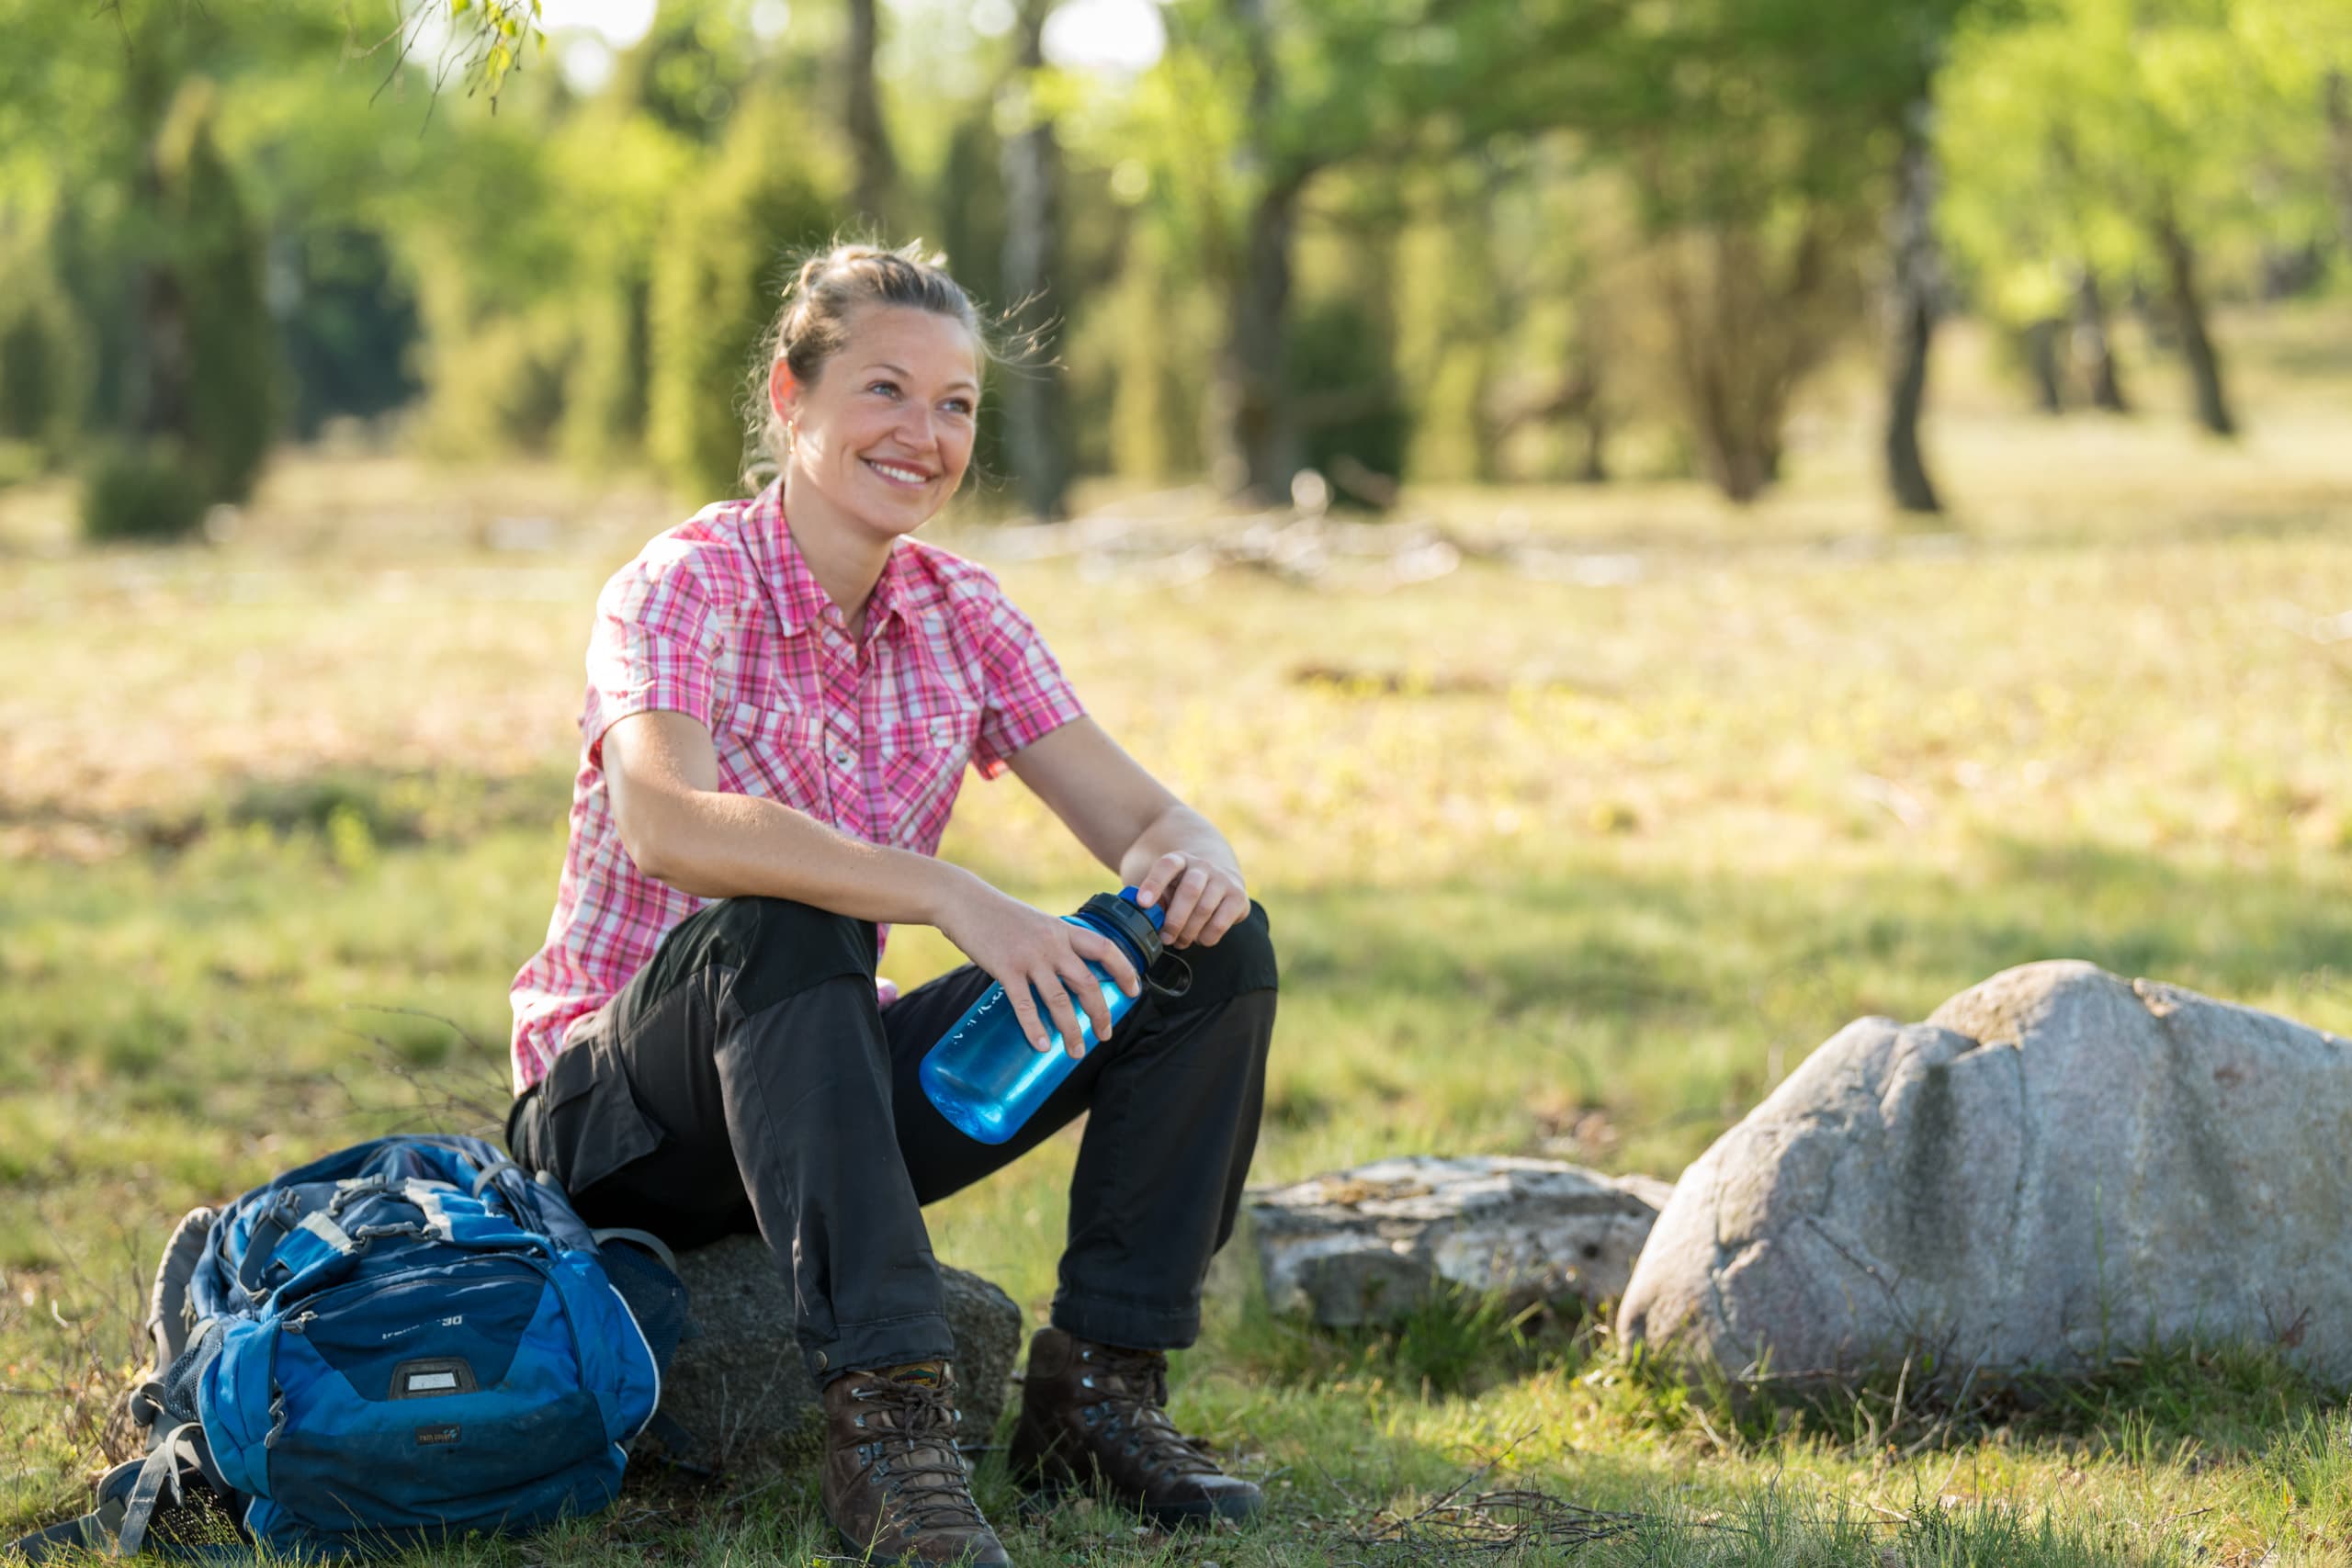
x,y
1028,696
654,645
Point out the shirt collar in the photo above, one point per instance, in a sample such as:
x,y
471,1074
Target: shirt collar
x,y
793,589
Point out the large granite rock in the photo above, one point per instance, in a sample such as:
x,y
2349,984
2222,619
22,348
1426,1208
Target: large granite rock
x,y
1371,1244
2059,1165
740,1390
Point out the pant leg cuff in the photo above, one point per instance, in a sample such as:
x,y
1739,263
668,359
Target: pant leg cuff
x,y
1136,1326
888,1342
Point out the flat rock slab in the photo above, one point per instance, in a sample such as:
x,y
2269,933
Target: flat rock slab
x,y
740,1389
2057,1168
1372,1243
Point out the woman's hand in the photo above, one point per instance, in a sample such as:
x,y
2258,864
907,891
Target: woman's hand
x,y
1202,898
1022,947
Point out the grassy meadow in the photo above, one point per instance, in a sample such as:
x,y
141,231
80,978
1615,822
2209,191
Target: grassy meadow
x,y
1575,849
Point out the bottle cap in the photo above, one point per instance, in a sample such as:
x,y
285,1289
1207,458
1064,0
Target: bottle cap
x,y
1120,913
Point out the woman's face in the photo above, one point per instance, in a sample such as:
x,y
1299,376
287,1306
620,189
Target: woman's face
x,y
884,435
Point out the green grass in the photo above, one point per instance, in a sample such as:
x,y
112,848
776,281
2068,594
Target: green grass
x,y
1580,870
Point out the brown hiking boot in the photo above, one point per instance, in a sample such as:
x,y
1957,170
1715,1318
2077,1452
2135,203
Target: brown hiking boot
x,y
1095,1415
895,1486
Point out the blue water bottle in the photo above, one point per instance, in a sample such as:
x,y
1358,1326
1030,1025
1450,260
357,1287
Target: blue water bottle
x,y
983,1075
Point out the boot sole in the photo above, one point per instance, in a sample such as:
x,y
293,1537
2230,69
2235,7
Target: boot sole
x,y
1041,1495
860,1552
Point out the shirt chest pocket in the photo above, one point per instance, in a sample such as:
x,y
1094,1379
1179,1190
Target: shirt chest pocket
x,y
919,767
771,752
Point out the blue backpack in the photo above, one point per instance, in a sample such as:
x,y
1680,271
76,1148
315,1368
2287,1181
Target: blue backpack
x,y
397,1345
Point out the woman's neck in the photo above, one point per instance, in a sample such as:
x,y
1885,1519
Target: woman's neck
x,y
845,560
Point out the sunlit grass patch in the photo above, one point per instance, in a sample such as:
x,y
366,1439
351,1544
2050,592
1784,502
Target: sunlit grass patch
x,y
1560,859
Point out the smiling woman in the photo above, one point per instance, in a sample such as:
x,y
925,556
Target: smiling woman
x,y
783,693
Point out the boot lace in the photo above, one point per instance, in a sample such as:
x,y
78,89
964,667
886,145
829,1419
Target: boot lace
x,y
915,1459
1133,1386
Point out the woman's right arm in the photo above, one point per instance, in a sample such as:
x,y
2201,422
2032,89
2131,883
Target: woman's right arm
x,y
662,773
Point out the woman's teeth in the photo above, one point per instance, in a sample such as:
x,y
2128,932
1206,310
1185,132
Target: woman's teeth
x,y
896,471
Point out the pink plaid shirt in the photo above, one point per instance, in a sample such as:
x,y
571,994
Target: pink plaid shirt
x,y
721,619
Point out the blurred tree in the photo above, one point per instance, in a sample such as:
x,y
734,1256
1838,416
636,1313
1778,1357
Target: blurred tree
x,y
966,196
1449,320
1760,212
1255,101
1914,300
1339,384
1155,424
1036,436
212,363
2128,139
44,362
2336,89
489,234
1788,134
688,73
875,178
626,167
2094,347
769,192
346,321
1569,279
2302,50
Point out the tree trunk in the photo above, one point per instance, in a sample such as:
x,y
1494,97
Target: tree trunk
x,y
1913,247
1254,450
1594,468
1035,439
2197,344
2038,344
2092,347
877,172
155,371
2337,101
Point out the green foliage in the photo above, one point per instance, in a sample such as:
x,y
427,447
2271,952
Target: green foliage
x,y
604,401
1342,385
149,491
2070,133
230,391
348,328
763,199
968,197
494,252
687,74
1155,420
44,358
1449,330
626,168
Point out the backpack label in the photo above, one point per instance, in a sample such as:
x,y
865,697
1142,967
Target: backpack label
x,y
426,1436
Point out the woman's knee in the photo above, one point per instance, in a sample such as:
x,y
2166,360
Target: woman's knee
x,y
780,947
1242,960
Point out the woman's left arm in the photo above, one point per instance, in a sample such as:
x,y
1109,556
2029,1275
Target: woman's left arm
x,y
1135,825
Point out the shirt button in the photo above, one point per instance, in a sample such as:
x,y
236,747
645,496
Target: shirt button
x,y
843,758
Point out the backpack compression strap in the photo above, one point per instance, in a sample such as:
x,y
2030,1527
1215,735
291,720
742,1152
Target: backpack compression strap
x,y
128,1496
181,1453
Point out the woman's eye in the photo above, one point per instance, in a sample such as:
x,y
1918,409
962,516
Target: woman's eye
x,y
887,388
959,405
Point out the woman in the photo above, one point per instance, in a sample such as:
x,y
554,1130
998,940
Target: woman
x,y
783,693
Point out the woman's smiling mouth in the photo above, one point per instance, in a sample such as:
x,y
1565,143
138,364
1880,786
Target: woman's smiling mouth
x,y
904,475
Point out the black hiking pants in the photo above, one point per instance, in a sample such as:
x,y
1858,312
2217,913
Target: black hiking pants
x,y
746,1079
